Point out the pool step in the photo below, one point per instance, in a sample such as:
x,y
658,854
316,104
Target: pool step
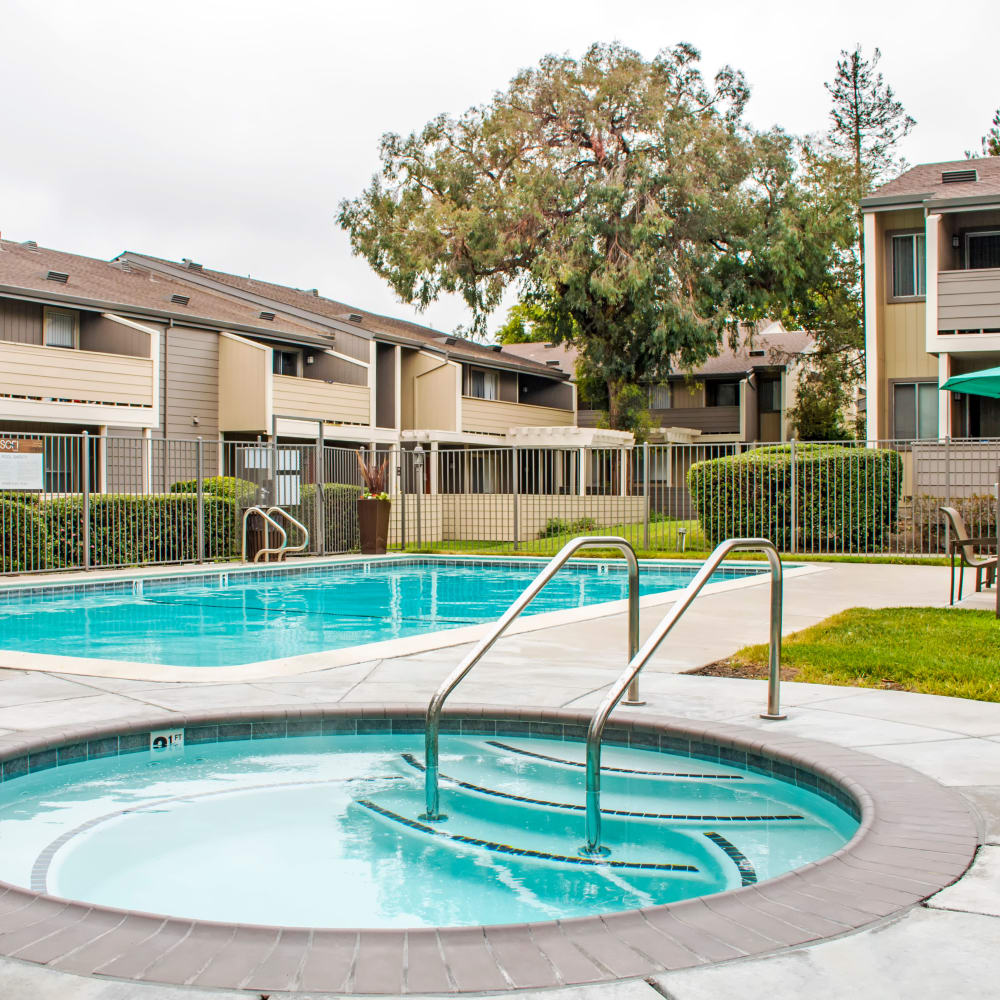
x,y
546,803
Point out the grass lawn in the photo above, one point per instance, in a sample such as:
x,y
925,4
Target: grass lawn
x,y
930,650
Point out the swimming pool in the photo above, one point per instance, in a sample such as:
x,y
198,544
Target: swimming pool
x,y
234,617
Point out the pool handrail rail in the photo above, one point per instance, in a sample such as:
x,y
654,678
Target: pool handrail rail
x,y
301,546
266,551
435,706
595,730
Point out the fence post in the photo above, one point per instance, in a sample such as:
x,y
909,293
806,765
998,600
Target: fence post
x,y
319,518
645,494
947,489
795,497
86,499
200,492
516,487
418,474
401,477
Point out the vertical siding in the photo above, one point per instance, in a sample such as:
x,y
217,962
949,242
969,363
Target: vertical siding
x,y
353,347
192,383
904,337
100,334
20,322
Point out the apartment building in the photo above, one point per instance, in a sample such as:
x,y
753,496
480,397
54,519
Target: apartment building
x,y
932,299
144,347
741,394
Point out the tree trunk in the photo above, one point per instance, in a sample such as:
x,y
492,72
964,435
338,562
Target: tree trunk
x,y
616,416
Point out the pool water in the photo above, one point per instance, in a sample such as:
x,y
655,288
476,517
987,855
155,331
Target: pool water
x,y
325,831
230,618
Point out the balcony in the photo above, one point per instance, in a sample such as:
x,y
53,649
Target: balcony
x,y
494,416
312,399
56,384
969,307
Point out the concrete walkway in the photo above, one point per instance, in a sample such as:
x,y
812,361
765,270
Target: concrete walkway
x,y
944,949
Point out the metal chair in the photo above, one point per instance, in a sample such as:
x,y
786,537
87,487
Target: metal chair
x,y
965,545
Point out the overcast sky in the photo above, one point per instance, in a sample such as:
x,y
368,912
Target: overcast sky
x,y
229,130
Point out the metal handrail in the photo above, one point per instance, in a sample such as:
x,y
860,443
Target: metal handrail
x,y
639,660
433,723
304,544
270,520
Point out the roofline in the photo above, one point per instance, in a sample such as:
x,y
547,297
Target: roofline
x,y
969,201
206,280
175,319
927,201
913,200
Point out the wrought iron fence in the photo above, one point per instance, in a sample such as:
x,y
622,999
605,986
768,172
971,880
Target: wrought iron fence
x,y
110,501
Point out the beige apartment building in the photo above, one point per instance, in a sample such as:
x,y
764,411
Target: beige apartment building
x,y
149,348
932,299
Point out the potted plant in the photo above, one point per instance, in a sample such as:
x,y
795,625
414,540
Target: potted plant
x,y
373,507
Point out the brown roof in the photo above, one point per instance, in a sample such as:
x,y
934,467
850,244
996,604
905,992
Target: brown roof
x,y
310,301
925,181
773,339
108,285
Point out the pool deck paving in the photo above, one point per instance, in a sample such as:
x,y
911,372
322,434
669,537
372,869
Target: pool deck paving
x,y
944,947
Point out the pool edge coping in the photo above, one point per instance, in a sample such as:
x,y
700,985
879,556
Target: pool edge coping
x,y
902,852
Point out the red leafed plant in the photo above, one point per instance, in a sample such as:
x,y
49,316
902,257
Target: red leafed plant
x,y
373,475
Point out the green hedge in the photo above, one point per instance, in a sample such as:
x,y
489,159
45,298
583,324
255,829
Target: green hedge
x,y
340,515
847,498
24,537
230,487
131,530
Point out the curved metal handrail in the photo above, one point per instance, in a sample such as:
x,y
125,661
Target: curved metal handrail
x,y
638,661
304,544
433,724
270,520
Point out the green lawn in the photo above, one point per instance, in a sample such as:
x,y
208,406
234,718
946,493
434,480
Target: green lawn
x,y
930,650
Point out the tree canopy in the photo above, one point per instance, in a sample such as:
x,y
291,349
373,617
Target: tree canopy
x,y
627,198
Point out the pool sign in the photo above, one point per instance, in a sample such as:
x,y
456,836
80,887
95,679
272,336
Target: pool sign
x,y
22,464
165,740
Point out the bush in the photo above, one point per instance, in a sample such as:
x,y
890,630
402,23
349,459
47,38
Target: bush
x,y
340,515
24,538
130,530
847,499
556,526
229,487
979,513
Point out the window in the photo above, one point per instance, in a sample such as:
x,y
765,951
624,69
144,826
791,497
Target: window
x,y
285,362
660,396
769,395
483,385
982,250
60,328
722,394
909,266
914,410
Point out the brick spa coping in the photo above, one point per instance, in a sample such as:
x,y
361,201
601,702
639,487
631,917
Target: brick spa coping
x,y
914,838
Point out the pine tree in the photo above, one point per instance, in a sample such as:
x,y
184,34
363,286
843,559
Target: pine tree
x,y
991,141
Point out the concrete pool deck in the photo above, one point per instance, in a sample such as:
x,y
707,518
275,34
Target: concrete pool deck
x,y
944,948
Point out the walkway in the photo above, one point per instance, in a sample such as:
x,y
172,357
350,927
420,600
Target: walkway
x,y
944,949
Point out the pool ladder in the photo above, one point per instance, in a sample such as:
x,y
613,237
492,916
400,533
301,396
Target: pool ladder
x,y
283,548
627,681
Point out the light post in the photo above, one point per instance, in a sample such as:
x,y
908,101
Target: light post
x,y
418,468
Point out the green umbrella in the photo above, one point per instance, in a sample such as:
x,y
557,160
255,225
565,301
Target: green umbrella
x,y
984,383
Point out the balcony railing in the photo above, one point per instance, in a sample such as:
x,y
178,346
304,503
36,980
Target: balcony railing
x,y
36,376
969,301
313,399
494,416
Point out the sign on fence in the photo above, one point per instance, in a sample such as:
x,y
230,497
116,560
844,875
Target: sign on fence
x,y
22,464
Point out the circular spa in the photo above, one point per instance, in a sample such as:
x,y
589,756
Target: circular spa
x,y
325,829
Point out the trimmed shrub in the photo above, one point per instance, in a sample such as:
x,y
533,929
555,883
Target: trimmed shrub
x,y
978,511
340,515
229,487
132,530
556,526
847,499
24,538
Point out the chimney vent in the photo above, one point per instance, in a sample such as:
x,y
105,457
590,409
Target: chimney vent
x,y
191,264
30,244
61,276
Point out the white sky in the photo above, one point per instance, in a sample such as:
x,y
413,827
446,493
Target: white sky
x,y
228,130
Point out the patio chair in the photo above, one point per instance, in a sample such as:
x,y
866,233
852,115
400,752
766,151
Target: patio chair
x,y
965,546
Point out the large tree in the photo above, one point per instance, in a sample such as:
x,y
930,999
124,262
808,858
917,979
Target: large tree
x,y
991,141
627,197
